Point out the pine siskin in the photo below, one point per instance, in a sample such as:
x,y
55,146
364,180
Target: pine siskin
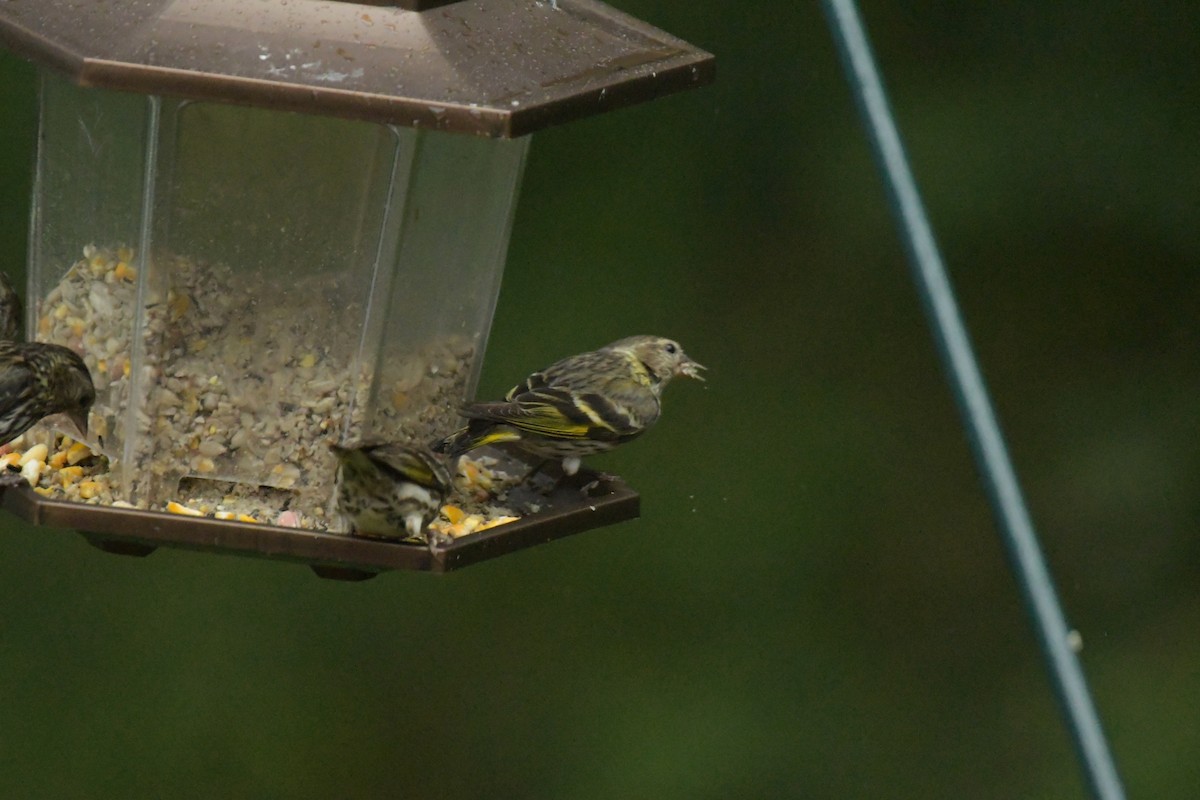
x,y
581,405
389,491
12,316
38,379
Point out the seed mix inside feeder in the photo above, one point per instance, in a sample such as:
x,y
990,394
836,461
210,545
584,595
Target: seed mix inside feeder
x,y
319,262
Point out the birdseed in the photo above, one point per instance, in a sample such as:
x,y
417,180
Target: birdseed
x,y
234,400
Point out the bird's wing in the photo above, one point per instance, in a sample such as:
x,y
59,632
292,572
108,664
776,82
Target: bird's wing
x,y
14,378
404,463
560,414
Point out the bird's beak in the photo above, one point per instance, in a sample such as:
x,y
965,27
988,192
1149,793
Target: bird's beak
x,y
692,369
80,419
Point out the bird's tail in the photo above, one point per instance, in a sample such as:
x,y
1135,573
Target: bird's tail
x,y
477,434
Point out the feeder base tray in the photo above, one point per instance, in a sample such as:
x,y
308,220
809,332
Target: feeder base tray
x,y
586,500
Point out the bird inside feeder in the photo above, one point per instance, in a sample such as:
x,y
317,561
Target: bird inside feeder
x,y
266,236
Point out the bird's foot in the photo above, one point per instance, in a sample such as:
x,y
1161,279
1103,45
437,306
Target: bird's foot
x,y
438,541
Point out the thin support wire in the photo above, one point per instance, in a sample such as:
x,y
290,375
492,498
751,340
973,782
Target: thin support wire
x,y
1016,527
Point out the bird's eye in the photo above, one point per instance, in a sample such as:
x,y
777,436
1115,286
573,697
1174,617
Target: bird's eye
x,y
671,348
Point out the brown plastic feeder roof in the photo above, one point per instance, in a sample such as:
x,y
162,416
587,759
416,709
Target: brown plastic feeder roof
x,y
489,67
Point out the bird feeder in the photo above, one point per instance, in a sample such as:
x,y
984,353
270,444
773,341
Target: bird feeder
x,y
268,224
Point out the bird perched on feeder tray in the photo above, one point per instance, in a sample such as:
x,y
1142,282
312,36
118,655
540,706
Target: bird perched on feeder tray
x,y
38,379
12,317
584,404
390,491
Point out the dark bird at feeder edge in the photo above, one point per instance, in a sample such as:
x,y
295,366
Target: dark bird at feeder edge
x,y
38,379
390,491
12,316
584,404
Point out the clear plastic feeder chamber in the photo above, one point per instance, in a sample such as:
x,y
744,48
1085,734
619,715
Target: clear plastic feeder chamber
x,y
267,226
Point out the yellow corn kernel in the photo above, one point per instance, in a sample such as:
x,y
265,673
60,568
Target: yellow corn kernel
x,y
453,513
78,452
225,515
125,253
44,491
44,326
62,312
245,518
125,368
89,489
69,475
36,453
492,523
470,523
58,460
475,475
309,360
102,365
124,272
176,508
10,460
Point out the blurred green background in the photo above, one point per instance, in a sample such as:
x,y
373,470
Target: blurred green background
x,y
815,602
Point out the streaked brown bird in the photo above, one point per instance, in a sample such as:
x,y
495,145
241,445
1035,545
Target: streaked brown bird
x,y
584,404
38,379
390,491
12,315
